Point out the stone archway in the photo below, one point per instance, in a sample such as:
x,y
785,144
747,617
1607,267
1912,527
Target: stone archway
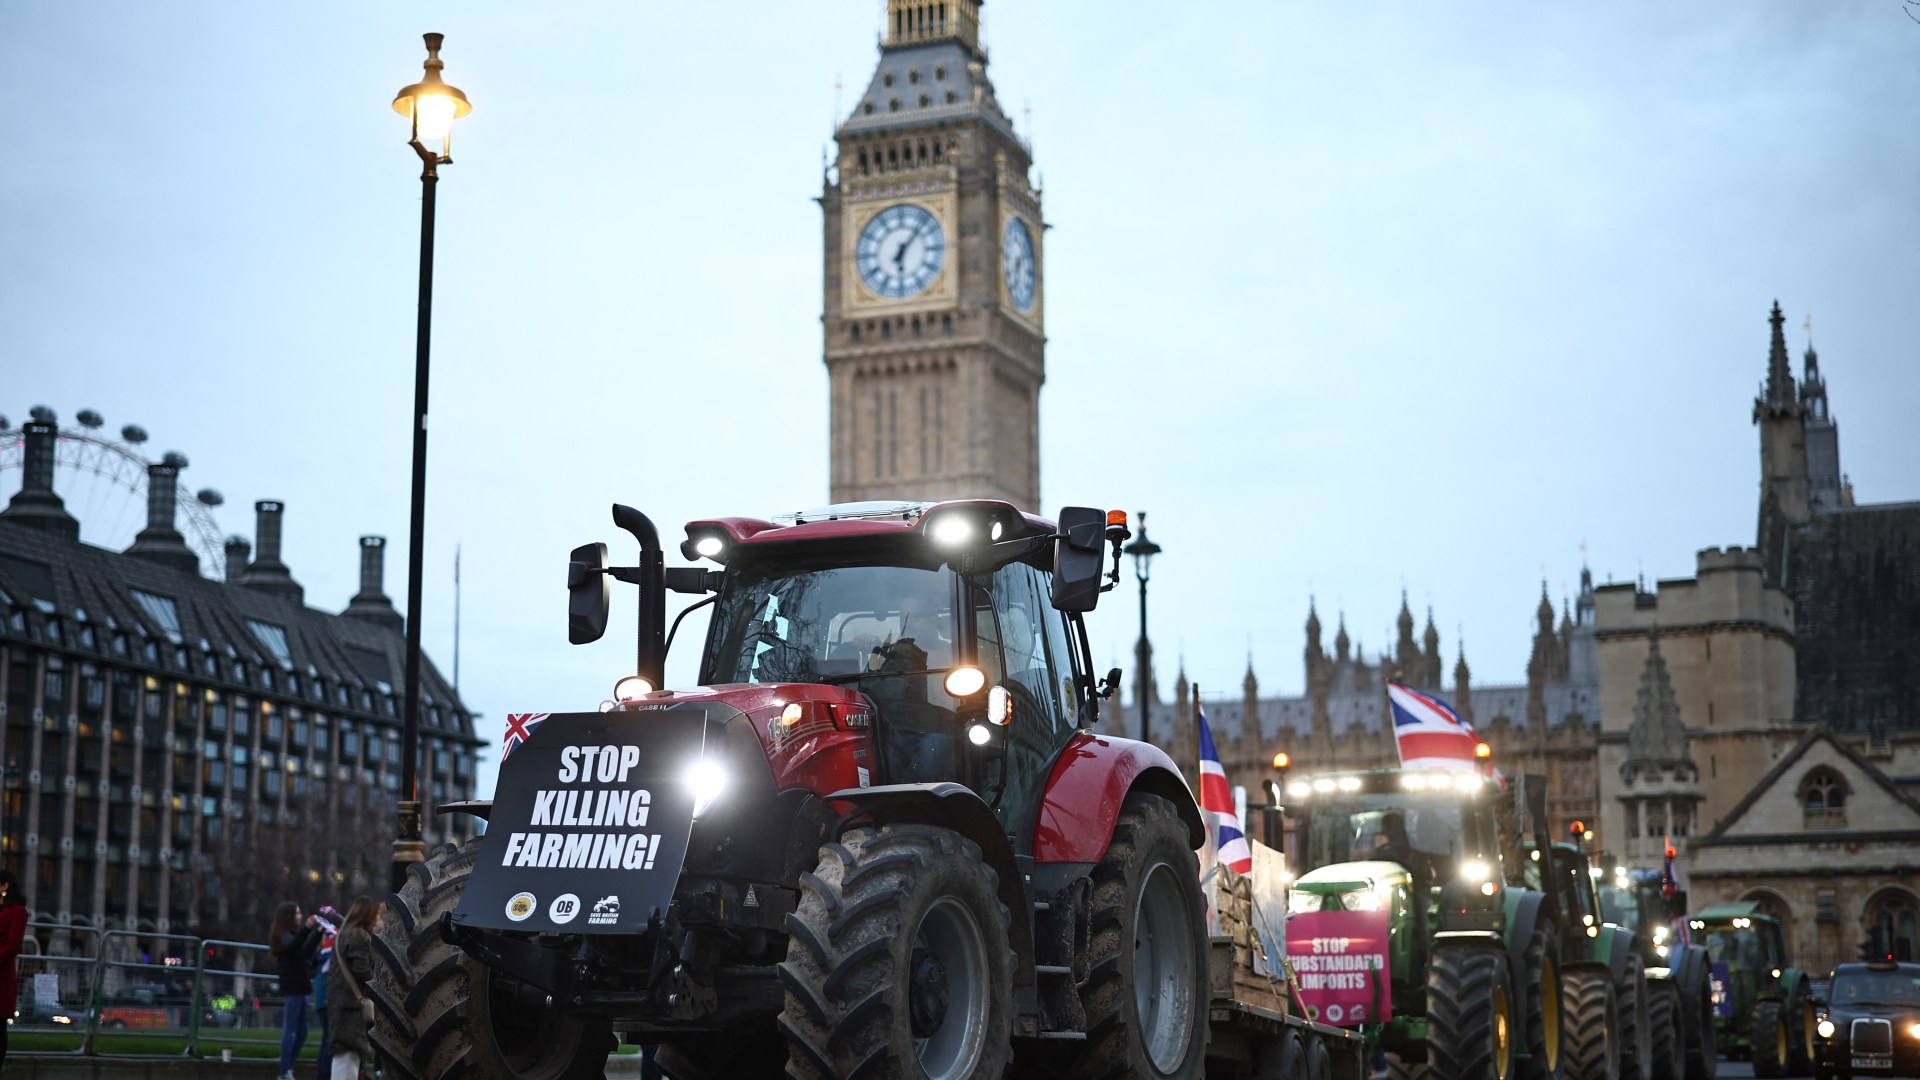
x,y
1890,924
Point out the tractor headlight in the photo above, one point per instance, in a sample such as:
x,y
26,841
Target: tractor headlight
x,y
1299,789
1660,950
952,531
965,681
707,780
1659,935
1776,973
1475,871
1300,901
1825,1028
632,688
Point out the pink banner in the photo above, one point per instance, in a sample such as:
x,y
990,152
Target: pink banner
x,y
1340,958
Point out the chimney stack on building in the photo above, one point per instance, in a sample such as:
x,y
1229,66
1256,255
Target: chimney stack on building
x,y
266,572
238,552
36,505
371,602
160,542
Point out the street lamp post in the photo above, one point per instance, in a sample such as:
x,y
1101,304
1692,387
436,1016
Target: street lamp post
x,y
433,106
1143,550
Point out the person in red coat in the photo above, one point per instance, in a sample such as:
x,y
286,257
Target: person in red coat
x,y
13,930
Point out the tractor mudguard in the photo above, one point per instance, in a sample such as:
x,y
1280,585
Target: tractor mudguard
x,y
1090,781
1613,947
1790,980
956,807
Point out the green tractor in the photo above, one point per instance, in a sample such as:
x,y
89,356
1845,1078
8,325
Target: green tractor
x,y
1763,1007
1679,982
1607,1029
1473,955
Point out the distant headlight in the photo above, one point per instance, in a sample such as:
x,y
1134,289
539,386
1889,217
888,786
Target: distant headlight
x,y
1659,934
1475,870
1300,901
1825,1028
1914,1031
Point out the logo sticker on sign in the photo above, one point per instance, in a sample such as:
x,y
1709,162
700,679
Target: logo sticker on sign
x,y
596,806
521,905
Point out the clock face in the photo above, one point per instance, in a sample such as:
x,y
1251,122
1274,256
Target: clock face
x,y
1016,261
900,251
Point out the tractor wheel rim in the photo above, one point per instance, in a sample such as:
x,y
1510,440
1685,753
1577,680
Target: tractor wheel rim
x,y
1550,1011
1780,1040
535,1043
1163,968
951,936
1502,1034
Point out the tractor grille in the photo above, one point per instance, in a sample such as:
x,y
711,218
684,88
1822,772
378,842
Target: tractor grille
x,y
1872,1036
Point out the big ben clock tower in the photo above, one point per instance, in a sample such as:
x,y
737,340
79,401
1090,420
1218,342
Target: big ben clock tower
x,y
934,337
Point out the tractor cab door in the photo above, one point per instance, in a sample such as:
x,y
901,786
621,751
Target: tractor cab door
x,y
1025,646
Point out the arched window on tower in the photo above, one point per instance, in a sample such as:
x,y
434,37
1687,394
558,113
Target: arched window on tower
x,y
1823,797
1892,926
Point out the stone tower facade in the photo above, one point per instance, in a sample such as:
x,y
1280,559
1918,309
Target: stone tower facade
x,y
933,325
1659,782
1785,486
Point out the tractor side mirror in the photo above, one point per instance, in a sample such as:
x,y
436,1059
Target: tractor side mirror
x,y
587,594
1077,558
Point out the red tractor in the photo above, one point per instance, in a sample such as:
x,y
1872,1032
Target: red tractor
x,y
879,839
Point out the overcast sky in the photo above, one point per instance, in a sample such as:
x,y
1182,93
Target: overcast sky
x,y
1351,297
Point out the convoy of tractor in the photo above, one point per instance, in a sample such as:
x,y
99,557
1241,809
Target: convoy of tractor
x,y
883,836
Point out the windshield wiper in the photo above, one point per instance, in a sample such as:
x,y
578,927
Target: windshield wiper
x,y
837,680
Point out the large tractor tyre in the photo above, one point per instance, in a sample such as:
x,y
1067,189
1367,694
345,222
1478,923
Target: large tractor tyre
x,y
1799,1017
1587,1047
1146,989
1666,1032
897,961
1767,1039
440,1013
1636,1044
1544,1006
1470,1029
1703,1050
1278,1057
755,1052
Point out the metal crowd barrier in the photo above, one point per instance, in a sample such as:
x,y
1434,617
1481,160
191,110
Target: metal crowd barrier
x,y
124,992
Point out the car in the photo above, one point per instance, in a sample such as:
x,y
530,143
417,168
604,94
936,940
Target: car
x,y
47,1012
1870,1025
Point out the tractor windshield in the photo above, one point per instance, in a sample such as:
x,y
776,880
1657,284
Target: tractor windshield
x,y
1738,949
1620,905
776,624
1422,832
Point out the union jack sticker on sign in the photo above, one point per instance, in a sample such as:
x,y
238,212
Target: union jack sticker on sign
x,y
519,727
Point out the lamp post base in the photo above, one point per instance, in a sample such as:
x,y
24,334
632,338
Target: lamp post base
x,y
408,847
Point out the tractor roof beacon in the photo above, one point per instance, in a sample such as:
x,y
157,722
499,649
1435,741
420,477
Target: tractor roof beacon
x,y
888,778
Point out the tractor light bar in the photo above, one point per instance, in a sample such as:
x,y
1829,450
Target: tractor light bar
x,y
1299,789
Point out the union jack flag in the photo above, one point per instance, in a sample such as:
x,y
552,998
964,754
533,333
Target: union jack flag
x,y
1428,733
519,728
1216,802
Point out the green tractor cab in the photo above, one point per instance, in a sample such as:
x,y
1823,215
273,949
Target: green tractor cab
x,y
1474,978
1763,1006
1607,1028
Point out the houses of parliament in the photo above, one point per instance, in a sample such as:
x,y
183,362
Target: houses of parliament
x,y
1763,714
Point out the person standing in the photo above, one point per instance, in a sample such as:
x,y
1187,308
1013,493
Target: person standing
x,y
293,944
349,976
329,922
13,931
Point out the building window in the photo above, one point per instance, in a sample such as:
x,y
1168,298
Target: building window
x,y
161,613
1823,795
1892,925
274,638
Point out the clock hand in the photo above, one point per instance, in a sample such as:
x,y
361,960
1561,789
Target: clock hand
x,y
900,256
